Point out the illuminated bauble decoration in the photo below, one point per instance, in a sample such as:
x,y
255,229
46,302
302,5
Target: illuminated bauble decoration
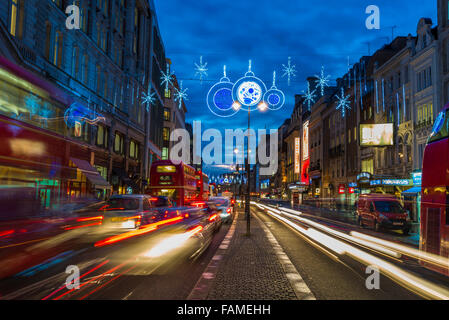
x,y
249,90
219,97
249,93
274,97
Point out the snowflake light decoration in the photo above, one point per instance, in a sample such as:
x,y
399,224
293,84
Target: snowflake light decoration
x,y
181,95
167,78
323,80
289,70
201,69
148,98
343,103
309,96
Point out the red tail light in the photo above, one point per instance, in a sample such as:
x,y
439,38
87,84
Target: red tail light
x,y
228,210
213,217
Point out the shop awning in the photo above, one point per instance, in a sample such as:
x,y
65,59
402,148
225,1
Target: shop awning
x,y
91,174
412,191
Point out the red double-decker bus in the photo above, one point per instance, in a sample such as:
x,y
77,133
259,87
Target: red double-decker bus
x,y
173,180
434,236
202,185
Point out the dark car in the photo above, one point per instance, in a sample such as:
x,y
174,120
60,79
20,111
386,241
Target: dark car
x,y
225,207
382,211
209,209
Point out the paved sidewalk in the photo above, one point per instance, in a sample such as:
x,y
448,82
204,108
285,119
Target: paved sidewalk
x,y
250,268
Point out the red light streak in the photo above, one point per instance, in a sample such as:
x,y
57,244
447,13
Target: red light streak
x,y
83,226
6,233
90,218
134,233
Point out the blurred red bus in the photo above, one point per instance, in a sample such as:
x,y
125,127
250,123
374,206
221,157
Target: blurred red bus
x,y
202,185
434,235
173,180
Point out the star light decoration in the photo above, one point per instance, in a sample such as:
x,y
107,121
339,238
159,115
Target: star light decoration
x,y
344,103
148,98
323,80
309,96
289,70
181,95
201,69
167,78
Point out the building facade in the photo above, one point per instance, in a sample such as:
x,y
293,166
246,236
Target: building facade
x,y
102,68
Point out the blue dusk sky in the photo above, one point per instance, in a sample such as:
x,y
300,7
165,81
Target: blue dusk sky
x,y
313,33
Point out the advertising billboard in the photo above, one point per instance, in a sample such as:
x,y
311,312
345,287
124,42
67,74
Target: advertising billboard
x,y
376,135
297,156
305,141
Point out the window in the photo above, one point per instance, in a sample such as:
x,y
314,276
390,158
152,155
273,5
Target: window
x,y
75,66
167,114
168,93
102,136
57,50
13,17
98,78
118,143
133,150
164,153
85,70
166,134
103,171
47,40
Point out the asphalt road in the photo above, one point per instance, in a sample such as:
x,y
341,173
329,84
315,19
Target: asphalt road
x,y
114,272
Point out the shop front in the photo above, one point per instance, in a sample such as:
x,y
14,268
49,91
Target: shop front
x,y
412,197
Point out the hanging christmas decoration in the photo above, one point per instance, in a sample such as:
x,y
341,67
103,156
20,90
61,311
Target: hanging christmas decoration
x,y
167,78
219,97
323,80
181,95
309,96
148,98
274,97
201,69
289,70
343,103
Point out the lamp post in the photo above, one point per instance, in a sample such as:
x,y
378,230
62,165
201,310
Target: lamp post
x,y
262,106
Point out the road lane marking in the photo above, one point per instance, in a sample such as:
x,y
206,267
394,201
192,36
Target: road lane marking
x,y
298,284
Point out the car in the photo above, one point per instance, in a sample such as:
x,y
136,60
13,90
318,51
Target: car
x,y
186,239
124,211
382,211
226,208
209,209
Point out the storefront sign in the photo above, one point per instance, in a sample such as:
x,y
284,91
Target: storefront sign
x,y
352,184
351,190
417,178
364,177
396,182
341,189
377,182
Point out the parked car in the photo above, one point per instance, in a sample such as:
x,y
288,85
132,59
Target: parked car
x,y
382,211
225,207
